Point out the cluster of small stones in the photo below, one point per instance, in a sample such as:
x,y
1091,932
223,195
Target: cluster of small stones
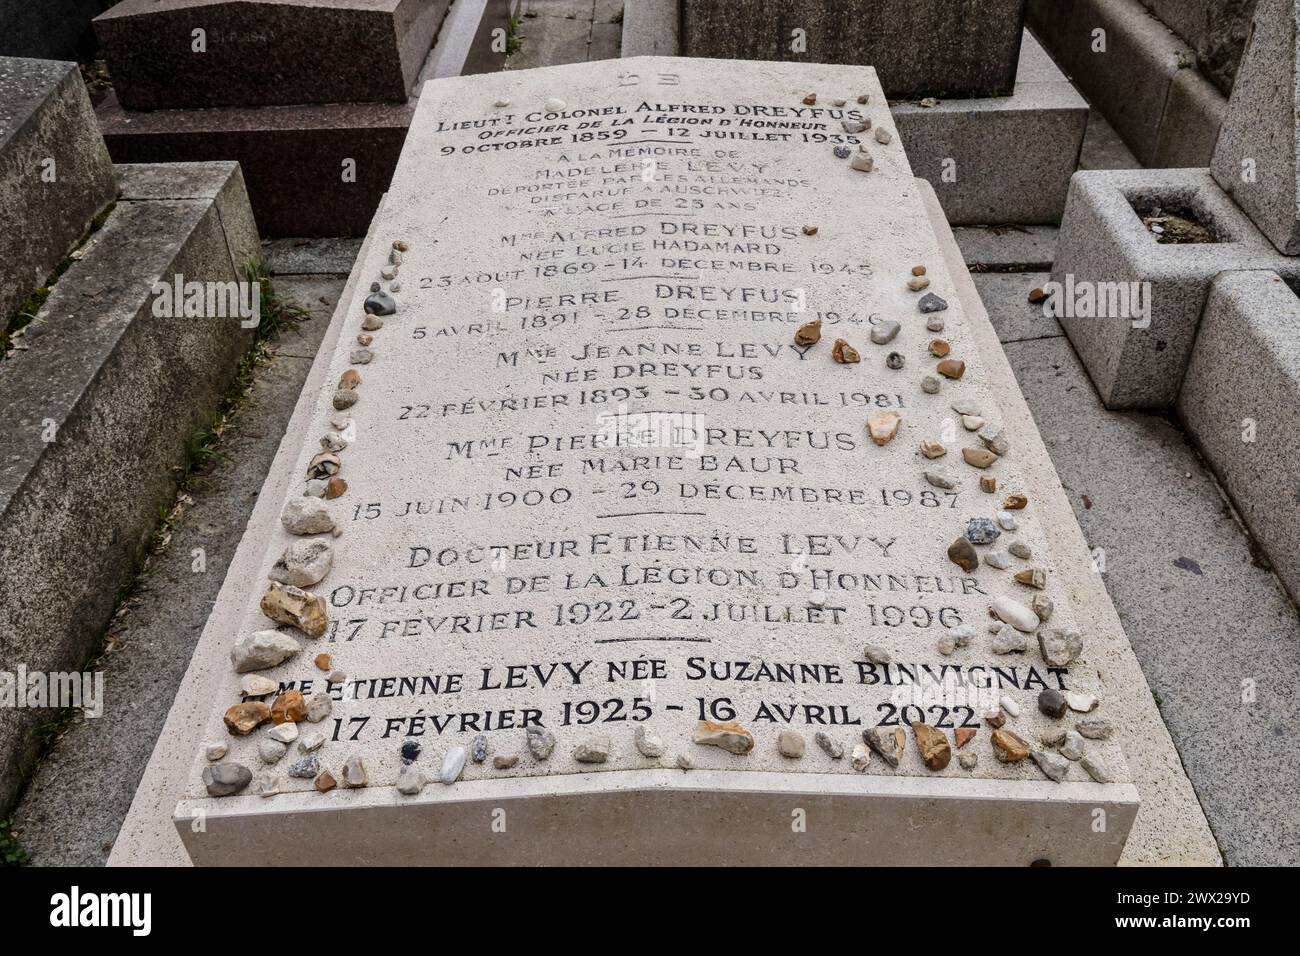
x,y
860,158
1014,622
287,602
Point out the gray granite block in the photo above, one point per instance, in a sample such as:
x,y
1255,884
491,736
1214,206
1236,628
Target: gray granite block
x,y
1000,159
1136,362
952,48
1241,403
55,174
651,28
95,412
1190,124
1255,159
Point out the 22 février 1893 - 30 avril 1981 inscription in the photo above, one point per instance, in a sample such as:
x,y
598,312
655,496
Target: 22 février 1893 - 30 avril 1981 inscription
x,y
595,481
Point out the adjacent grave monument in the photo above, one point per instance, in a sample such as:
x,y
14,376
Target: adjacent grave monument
x,y
652,491
311,97
949,48
1002,153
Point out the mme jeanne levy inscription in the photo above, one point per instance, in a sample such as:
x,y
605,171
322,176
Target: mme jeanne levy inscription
x,y
590,481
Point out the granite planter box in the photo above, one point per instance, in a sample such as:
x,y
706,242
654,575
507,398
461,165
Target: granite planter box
x,y
1138,361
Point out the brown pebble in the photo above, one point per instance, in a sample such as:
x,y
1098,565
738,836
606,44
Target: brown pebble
x,y
289,707
325,781
1037,295
364,339
372,323
810,99
1009,747
324,662
988,484
939,348
864,99
810,230
951,368
844,353
350,379
505,761
400,246
978,457
933,746
808,334
1015,502
244,718
962,553
335,487
964,735
918,270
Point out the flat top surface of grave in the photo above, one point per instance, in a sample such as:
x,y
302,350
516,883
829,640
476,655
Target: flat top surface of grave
x,y
592,482
24,84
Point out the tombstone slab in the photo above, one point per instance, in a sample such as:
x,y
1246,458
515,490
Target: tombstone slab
x,y
1255,159
593,485
200,53
948,48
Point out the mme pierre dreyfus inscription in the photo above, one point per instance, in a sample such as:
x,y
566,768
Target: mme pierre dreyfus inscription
x,y
655,437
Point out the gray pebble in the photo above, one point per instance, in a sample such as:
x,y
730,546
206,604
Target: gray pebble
x,y
981,531
883,332
226,779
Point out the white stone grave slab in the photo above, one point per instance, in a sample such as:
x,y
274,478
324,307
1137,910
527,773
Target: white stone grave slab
x,y
594,486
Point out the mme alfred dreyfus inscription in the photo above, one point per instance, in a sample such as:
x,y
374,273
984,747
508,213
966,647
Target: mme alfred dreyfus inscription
x,y
589,493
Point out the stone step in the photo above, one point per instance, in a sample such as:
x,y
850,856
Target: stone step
x,y
1241,403
55,174
97,406
173,54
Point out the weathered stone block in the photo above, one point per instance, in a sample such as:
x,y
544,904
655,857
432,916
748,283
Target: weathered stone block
x,y
1241,403
55,174
1000,159
1190,123
168,54
1256,156
96,410
651,28
948,48
1133,362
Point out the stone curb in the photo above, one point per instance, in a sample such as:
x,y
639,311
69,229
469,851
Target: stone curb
x,y
97,409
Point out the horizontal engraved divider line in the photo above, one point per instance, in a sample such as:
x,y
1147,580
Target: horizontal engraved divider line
x,y
661,215
667,639
626,278
639,142
642,328
635,514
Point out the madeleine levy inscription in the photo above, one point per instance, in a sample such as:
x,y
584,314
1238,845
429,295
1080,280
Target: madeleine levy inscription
x,y
593,485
